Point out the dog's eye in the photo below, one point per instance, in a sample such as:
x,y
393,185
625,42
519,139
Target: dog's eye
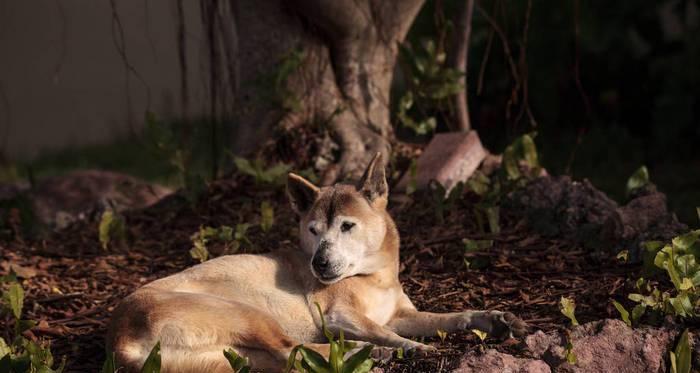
x,y
313,231
346,226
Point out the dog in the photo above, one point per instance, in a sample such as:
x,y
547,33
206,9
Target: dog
x,y
263,306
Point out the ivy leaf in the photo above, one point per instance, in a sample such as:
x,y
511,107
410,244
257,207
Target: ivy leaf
x,y
639,179
567,308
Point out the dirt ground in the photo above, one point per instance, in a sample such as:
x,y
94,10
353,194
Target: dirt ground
x,y
72,284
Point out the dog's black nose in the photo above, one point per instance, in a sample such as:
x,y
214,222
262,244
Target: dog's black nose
x,y
320,263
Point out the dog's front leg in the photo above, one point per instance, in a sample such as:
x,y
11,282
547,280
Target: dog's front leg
x,y
410,322
358,326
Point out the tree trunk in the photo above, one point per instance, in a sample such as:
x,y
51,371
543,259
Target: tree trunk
x,y
458,59
349,50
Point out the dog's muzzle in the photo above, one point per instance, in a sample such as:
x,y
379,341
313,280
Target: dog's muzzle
x,y
324,268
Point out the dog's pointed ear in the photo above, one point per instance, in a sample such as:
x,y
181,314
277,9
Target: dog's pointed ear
x,y
373,185
301,192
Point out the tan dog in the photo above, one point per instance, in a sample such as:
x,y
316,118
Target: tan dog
x,y
263,305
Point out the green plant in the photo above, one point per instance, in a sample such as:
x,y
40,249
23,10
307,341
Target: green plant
x,y
471,248
111,229
152,363
267,216
639,179
442,334
442,200
238,363
520,164
313,362
166,141
22,355
623,313
413,174
481,334
205,235
567,306
431,84
569,350
679,261
275,175
272,86
681,357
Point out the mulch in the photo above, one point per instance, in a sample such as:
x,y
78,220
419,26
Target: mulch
x,y
72,284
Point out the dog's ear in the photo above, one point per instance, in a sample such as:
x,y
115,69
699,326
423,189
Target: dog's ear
x,y
373,185
301,192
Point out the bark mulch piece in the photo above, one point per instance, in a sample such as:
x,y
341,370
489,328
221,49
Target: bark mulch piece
x,y
73,284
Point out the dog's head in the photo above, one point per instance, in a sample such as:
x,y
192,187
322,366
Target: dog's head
x,y
343,226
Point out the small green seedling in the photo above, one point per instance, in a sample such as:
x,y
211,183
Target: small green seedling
x,y
567,306
481,334
313,362
275,175
442,200
623,256
639,179
232,240
569,351
623,313
267,216
111,229
442,334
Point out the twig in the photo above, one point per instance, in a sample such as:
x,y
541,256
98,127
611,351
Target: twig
x,y
57,297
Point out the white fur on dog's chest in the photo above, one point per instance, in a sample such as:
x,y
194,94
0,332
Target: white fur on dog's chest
x,y
380,303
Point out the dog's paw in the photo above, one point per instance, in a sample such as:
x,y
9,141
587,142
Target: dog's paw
x,y
419,350
382,354
506,325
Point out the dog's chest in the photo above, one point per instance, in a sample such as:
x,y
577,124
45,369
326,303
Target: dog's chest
x,y
380,303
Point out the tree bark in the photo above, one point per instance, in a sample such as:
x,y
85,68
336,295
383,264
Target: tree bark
x,y
349,50
458,59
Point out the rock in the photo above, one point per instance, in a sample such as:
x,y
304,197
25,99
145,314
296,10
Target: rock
x,y
644,218
493,361
556,206
449,158
605,346
559,206
57,201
